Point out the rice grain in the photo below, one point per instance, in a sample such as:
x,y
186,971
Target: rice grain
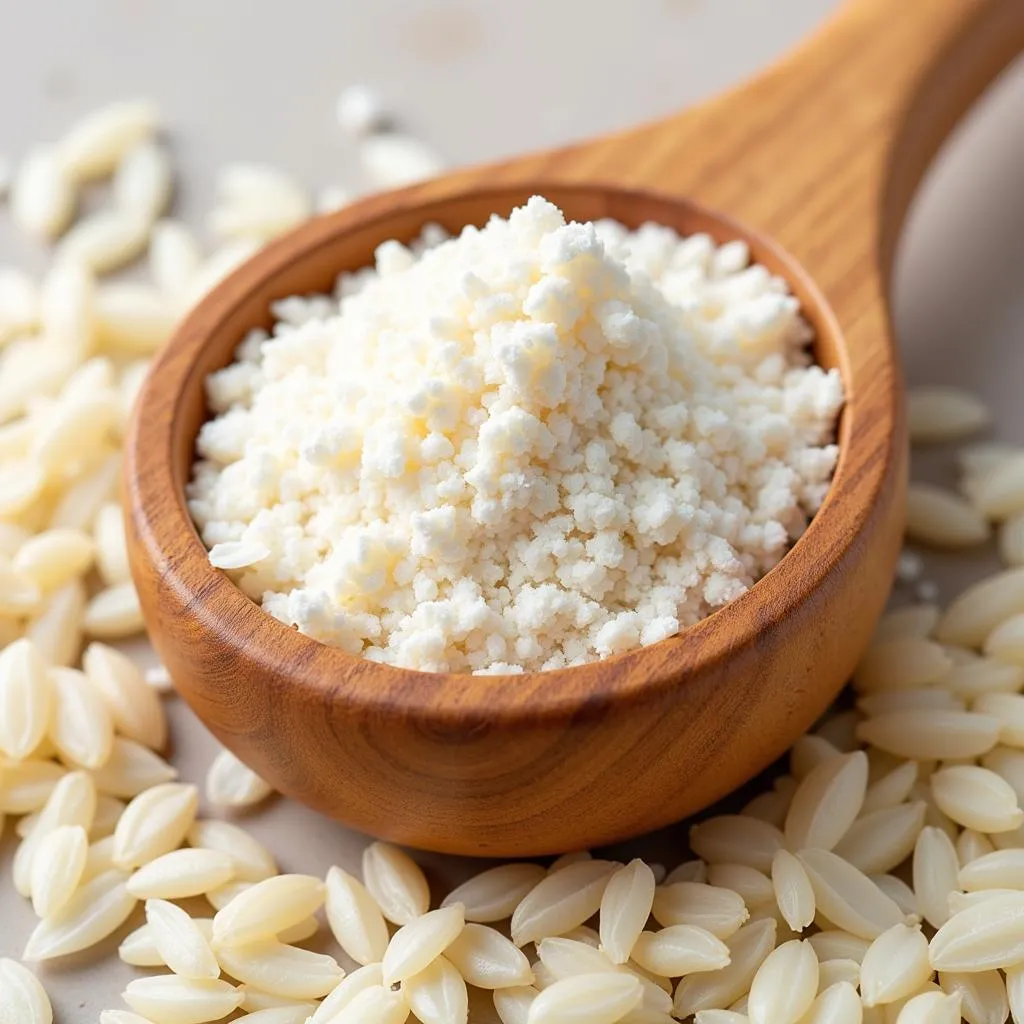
x,y
561,901
827,802
355,919
93,912
438,995
487,960
180,874
282,970
625,908
977,798
944,413
586,999
230,783
169,999
895,966
180,942
57,866
267,908
154,823
748,948
785,985
417,944
23,999
494,894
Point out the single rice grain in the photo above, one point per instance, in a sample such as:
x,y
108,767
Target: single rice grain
x,y
354,918
487,960
180,942
561,901
438,994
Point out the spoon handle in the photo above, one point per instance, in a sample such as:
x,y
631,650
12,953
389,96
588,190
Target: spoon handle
x,y
838,133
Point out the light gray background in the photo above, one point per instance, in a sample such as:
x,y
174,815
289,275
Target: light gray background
x,y
257,79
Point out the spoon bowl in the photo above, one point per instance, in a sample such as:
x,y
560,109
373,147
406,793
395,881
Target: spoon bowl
x,y
562,760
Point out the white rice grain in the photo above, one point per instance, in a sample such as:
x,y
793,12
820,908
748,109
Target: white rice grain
x,y
625,907
377,1004
174,258
230,783
95,145
54,557
494,894
354,918
915,620
785,985
93,912
680,949
43,196
134,708
926,735
836,1004
418,943
180,874
133,317
57,866
280,969
154,823
251,859
827,802
977,798
131,769
943,519
114,613
735,839
891,789
105,241
895,966
180,942
981,607
267,908
900,664
393,160
57,630
369,976
143,181
879,841
793,892
717,910
438,994
23,999
487,960
982,995
80,725
986,936
561,901
26,699
847,897
944,413
586,999
748,948
999,869
169,999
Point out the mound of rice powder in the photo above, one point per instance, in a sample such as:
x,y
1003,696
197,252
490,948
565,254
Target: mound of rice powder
x,y
534,445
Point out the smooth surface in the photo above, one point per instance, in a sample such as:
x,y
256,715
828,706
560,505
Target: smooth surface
x,y
526,765
959,304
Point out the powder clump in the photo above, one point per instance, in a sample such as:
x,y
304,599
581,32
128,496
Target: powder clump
x,y
530,446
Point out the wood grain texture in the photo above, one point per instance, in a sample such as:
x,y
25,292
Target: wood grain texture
x,y
815,162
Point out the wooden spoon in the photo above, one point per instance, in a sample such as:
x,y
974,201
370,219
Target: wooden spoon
x,y
816,160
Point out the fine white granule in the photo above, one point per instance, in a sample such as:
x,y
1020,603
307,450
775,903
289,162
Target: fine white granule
x,y
531,446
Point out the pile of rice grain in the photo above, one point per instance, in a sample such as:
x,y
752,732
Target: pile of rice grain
x,y
879,879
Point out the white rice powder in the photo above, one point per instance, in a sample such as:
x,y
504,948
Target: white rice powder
x,y
528,447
